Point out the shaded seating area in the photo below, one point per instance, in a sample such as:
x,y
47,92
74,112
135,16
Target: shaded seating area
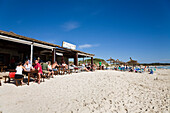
x,y
15,48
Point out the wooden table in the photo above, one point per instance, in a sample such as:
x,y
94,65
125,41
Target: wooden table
x,y
30,74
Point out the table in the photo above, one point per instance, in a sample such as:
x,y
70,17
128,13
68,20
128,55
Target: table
x,y
30,74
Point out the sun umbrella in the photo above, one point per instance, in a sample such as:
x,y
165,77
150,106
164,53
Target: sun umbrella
x,y
117,61
121,63
132,62
111,60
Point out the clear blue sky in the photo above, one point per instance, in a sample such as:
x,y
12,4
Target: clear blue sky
x,y
107,28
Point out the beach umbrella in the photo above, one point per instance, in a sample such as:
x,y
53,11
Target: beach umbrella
x,y
121,63
117,61
132,62
111,60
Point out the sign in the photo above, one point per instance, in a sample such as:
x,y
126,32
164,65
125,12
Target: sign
x,y
68,45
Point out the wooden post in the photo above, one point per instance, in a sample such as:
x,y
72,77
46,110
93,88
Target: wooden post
x,y
68,62
83,59
31,55
53,55
91,60
76,59
92,63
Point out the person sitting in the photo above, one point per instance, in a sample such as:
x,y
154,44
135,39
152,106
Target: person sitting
x,y
103,66
130,69
54,66
39,68
45,68
83,67
50,69
65,65
71,67
151,71
27,66
94,67
67,70
88,66
18,74
12,62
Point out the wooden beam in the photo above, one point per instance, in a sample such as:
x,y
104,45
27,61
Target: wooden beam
x,y
53,55
31,55
76,59
91,60
92,63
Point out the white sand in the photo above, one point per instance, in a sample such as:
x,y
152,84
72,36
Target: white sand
x,y
98,92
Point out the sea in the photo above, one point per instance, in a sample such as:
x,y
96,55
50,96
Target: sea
x,y
161,67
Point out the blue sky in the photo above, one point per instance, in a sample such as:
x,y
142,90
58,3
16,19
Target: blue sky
x,y
107,28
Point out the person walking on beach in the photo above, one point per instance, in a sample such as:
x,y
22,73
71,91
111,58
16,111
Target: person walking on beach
x,y
18,74
39,68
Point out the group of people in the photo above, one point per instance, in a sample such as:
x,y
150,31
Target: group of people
x,y
40,67
135,69
28,67
48,69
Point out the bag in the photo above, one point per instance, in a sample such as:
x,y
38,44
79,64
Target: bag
x,y
12,74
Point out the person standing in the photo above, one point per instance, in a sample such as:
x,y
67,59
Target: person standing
x,y
12,62
100,65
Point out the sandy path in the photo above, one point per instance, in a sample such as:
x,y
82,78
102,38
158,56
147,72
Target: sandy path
x,y
100,91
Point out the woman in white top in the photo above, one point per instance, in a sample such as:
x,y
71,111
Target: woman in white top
x,y
18,74
28,66
50,69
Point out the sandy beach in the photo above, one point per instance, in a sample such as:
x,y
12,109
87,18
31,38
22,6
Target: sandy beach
x,y
99,92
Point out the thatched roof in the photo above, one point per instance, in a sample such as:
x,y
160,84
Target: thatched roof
x,y
132,62
111,60
117,61
12,34
120,62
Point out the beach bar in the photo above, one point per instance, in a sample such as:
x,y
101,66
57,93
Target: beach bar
x,y
15,48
